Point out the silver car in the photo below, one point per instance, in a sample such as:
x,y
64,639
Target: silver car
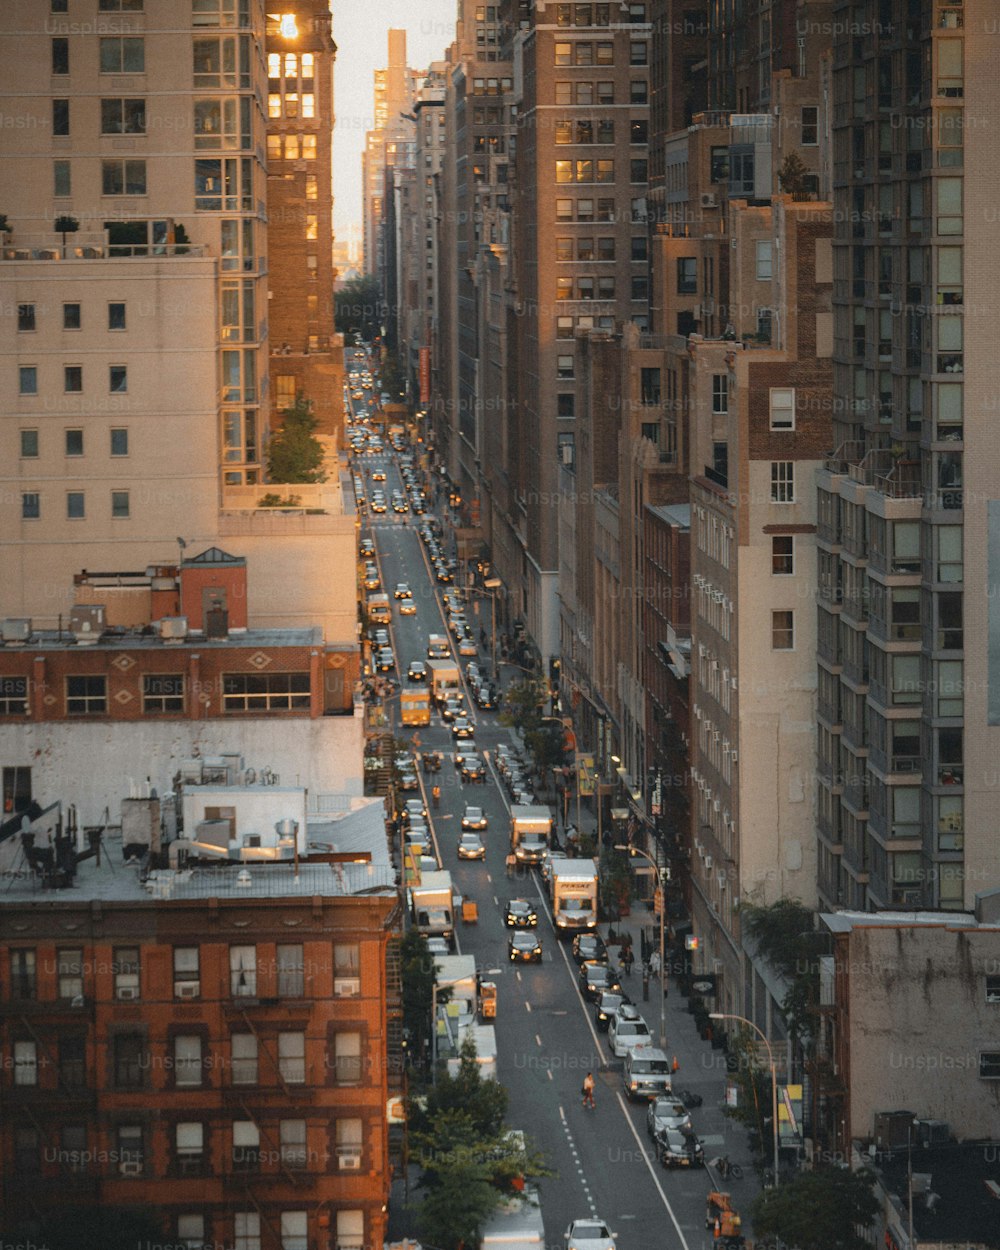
x,y
592,1234
664,1113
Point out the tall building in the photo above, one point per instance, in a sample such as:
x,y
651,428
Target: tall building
x,y
305,358
908,710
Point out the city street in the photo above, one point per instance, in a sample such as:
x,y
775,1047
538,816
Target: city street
x,y
545,1033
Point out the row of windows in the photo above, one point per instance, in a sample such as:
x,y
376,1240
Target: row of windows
x,y
203,12
568,131
73,442
587,247
585,288
598,171
584,52
287,972
72,317
161,692
72,379
76,505
291,147
189,1059
585,92
598,14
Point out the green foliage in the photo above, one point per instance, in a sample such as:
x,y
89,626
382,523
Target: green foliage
x,y
417,971
358,307
294,454
792,177
818,1210
483,1101
4,224
751,1078
788,940
273,500
65,225
392,377
547,745
522,705
90,1228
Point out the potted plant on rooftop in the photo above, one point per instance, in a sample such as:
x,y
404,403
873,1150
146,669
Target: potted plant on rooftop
x,y
64,226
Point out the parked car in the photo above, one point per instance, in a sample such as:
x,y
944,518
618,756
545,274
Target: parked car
x,y
589,946
627,1030
679,1149
666,1112
520,914
595,977
607,1004
524,947
385,661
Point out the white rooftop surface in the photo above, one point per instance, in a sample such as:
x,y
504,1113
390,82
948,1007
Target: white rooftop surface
x,y
360,832
845,921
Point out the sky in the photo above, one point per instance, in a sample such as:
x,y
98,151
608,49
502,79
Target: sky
x,y
360,30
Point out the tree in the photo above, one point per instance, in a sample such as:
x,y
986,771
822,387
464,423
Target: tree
x,y
522,705
90,1228
294,453
820,1210
418,973
358,307
787,939
792,177
392,377
484,1101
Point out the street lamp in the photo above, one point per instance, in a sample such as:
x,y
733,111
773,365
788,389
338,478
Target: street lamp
x,y
719,1015
634,850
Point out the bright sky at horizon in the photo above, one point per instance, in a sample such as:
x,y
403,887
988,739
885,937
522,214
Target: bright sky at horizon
x,y
361,32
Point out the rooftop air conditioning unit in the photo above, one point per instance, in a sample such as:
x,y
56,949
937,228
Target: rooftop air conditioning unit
x,y
709,199
173,628
15,630
86,623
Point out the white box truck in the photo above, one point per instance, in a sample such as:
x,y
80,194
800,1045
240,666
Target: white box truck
x,y
530,832
445,680
516,1224
573,891
485,1038
432,905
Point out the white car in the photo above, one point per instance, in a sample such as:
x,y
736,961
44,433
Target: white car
x,y
473,818
628,1029
592,1234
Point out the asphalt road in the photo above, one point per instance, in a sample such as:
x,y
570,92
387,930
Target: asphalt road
x,y
545,1035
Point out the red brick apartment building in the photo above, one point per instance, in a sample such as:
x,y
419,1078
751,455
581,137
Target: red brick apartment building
x,y
209,1043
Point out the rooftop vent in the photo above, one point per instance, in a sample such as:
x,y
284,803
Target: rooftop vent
x,y
14,631
86,623
173,628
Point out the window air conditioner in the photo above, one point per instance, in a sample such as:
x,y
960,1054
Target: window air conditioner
x,y
720,876
187,989
346,987
716,805
349,1163
130,1167
709,200
126,993
735,757
708,863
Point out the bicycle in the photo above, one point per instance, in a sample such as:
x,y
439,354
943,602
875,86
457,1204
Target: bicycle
x,y
725,1168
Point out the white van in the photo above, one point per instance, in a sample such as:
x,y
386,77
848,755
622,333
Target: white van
x,y
647,1073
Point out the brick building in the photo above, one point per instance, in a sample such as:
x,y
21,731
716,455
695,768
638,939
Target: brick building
x,y
210,1043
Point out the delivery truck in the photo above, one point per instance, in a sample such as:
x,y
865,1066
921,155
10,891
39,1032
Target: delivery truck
x,y
432,905
573,892
530,832
445,680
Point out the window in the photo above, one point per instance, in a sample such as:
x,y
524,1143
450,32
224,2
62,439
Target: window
x,y
161,692
566,406
73,379
74,442
782,631
292,1057
122,6
13,696
638,171
720,394
243,971
270,692
605,171
564,171
809,126
295,1230
763,250
563,54
126,972
23,974
27,1152
128,1139
31,507
246,1146
564,249
29,444
130,1062
187,977
123,117
349,1136
118,379
25,318
25,1063
605,132
244,1058
564,210
605,247
76,505
191,1231
122,56
606,95
989,1065
782,406
189,1142
60,56
564,289
585,210
782,555
27,380
123,177
246,1230
639,91
638,131
993,989
687,275
187,1060
73,1061
564,368
564,328
638,52
71,317
291,971
782,481
347,1058
69,967
86,696
119,442
61,184
292,1135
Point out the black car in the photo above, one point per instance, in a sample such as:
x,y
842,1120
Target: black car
x,y
473,769
408,780
520,914
688,1097
485,698
524,947
589,946
679,1148
595,977
607,1004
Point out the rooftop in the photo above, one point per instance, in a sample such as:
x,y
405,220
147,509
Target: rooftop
x,y
678,514
120,638
955,1205
845,921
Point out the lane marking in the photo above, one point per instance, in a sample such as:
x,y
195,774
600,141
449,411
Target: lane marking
x,y
643,1150
538,1040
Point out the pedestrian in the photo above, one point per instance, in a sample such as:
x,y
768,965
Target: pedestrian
x,y
654,963
436,796
588,1091
627,959
511,862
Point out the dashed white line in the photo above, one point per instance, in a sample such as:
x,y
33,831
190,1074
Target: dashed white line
x,y
656,1180
538,1040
